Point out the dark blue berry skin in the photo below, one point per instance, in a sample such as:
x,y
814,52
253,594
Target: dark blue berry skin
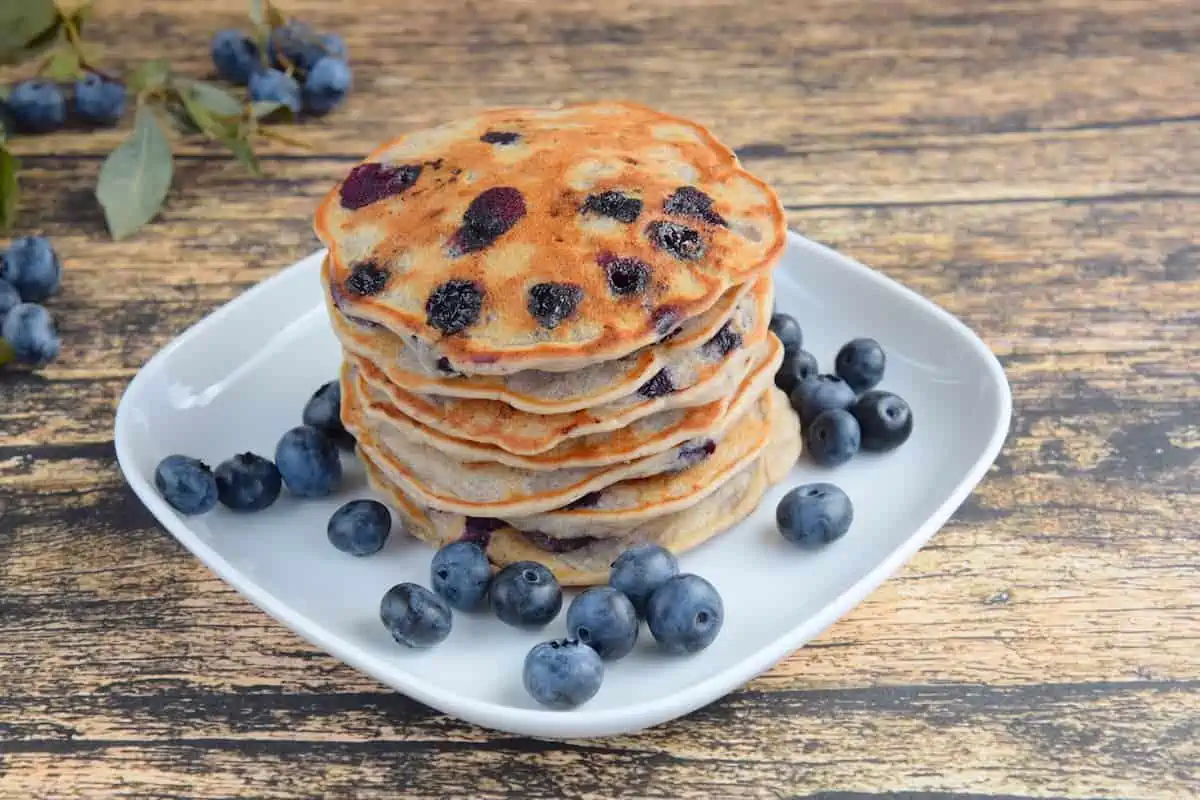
x,y
833,438
562,674
10,298
99,100
640,570
415,616
814,514
860,363
297,45
460,573
604,619
360,527
822,393
787,330
685,614
335,46
32,267
795,370
323,411
326,86
248,482
525,595
236,56
273,86
885,419
308,462
37,106
187,484
29,331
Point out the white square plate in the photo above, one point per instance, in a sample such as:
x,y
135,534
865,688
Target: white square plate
x,y
238,379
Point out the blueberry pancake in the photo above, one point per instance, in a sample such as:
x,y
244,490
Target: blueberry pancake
x,y
548,239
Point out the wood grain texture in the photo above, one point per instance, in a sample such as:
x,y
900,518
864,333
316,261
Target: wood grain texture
x,y
1033,166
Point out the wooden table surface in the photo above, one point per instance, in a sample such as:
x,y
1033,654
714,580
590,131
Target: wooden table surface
x,y
1032,166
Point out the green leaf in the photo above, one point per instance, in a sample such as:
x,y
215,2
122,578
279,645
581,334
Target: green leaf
x,y
6,353
10,189
270,110
150,75
205,120
244,152
135,177
5,91
23,23
63,66
214,99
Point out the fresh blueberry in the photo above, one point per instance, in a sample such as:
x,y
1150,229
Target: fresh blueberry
x,y
334,45
327,85
551,303
415,616
273,86
604,619
562,674
833,437
29,331
818,394
37,106
814,514
488,217
787,331
98,100
680,241
454,306
323,411
616,205
32,267
688,201
685,614
298,46
885,419
187,484
360,527
860,363
371,182
626,276
235,55
795,370
460,573
248,482
308,462
640,570
525,595
10,298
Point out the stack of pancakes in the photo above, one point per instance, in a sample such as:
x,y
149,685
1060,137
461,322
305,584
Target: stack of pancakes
x,y
555,332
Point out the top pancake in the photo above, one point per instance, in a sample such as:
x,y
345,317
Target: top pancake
x,y
528,238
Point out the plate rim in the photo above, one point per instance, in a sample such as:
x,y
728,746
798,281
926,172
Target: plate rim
x,y
578,723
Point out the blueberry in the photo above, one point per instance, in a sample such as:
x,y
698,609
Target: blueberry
x,y
308,462
605,620
334,45
295,45
657,386
273,86
626,276
371,182
323,411
818,394
454,306
814,514
679,240
29,331
860,363
640,570
795,370
885,419
327,85
685,614
360,527
415,616
236,56
248,482
616,205
32,267
460,573
723,342
187,484
665,320
99,100
9,299
499,137
366,279
37,106
833,437
488,217
694,452
562,674
688,201
787,331
551,303
525,595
